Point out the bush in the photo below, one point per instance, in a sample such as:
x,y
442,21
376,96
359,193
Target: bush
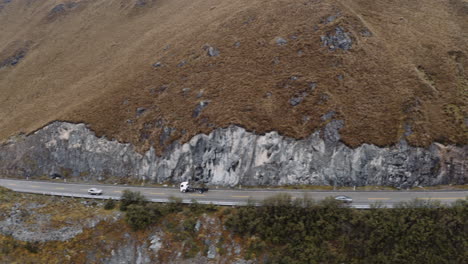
x,y
174,205
197,208
109,205
139,216
32,247
8,245
128,198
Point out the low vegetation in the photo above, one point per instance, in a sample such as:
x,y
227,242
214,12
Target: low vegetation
x,y
277,230
303,231
140,214
286,230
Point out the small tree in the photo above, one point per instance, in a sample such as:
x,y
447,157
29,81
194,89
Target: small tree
x,y
109,205
174,205
138,217
128,198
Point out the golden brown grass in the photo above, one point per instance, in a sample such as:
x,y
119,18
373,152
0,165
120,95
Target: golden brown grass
x,y
92,64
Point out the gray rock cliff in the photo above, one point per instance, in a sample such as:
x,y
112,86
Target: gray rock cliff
x,y
232,156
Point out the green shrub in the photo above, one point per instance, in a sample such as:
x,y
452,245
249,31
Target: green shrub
x,y
174,205
128,198
140,216
32,247
109,205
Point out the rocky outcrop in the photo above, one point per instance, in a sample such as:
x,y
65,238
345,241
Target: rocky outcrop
x,y
25,223
232,156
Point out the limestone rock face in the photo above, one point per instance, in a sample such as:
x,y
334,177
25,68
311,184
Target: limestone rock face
x,y
232,156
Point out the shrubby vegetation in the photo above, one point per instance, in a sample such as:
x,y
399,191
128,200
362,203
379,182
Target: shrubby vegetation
x,y
302,231
286,230
110,204
128,198
140,214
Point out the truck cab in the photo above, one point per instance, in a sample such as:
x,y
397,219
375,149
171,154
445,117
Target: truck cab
x,y
184,186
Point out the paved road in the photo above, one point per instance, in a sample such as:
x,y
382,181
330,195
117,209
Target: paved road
x,y
231,196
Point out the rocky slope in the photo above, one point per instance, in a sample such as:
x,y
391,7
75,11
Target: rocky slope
x,y
42,229
234,156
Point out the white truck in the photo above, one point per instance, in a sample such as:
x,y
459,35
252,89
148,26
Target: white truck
x,y
186,187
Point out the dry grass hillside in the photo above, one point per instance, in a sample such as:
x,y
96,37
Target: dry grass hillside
x,y
153,71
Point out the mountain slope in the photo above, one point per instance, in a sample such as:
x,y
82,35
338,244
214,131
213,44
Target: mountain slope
x,y
149,72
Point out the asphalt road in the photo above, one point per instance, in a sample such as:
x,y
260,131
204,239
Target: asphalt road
x,y
232,196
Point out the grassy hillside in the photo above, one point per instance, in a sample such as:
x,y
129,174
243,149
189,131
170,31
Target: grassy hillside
x,y
149,72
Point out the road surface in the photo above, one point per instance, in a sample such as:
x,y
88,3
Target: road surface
x,y
361,199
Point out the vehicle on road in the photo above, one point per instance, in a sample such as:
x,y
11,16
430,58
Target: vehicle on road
x,y
187,187
95,191
344,198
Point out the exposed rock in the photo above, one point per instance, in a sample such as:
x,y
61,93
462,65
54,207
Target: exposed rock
x,y
140,111
14,59
312,86
71,5
182,63
276,60
157,64
159,123
211,252
163,88
408,130
60,8
166,134
296,100
141,3
330,19
366,33
328,115
198,225
17,224
129,252
232,156
199,108
211,51
280,41
156,243
200,93
340,40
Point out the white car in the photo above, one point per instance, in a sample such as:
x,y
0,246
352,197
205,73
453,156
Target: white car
x,y
95,191
344,198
